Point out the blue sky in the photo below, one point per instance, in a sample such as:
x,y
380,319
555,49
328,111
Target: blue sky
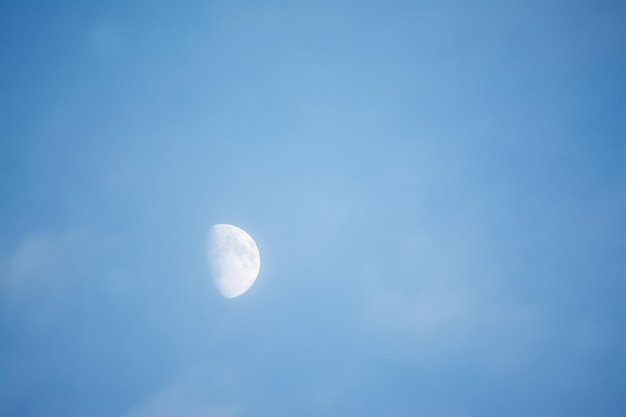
x,y
437,190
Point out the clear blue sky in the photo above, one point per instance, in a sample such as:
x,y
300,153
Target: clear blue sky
x,y
437,190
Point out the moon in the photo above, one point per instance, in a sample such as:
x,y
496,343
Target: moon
x,y
234,259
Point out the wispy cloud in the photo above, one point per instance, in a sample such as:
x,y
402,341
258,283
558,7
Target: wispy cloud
x,y
192,394
41,259
452,305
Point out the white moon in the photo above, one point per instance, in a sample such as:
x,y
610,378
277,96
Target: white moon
x,y
234,259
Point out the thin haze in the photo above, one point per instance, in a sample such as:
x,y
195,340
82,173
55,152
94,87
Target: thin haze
x,y
437,190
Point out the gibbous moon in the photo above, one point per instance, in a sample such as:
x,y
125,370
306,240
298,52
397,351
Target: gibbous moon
x,y
234,259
